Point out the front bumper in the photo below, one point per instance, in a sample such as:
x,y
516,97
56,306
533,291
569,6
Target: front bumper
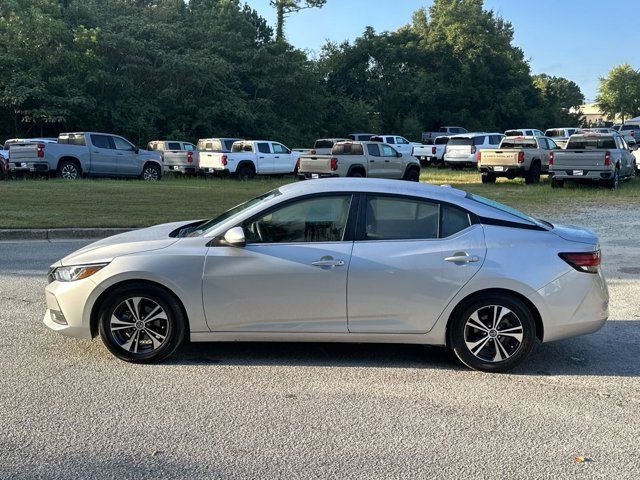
x,y
17,167
69,307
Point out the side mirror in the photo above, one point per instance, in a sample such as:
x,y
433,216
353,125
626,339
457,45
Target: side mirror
x,y
398,154
634,147
234,237
136,150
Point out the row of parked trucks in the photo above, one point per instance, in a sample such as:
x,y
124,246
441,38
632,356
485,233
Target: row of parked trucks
x,y
603,155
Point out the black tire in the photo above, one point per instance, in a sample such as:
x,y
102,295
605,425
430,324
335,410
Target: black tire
x,y
246,172
69,170
174,331
555,183
486,357
488,178
412,175
151,173
356,174
615,181
533,175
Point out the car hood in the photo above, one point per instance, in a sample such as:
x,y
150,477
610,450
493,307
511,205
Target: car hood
x,y
135,241
575,234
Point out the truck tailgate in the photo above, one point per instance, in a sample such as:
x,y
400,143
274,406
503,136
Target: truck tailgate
x,y
24,153
212,160
315,164
581,159
179,158
499,157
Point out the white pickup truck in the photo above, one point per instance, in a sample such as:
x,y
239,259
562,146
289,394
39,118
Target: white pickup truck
x,y
86,153
432,154
177,156
248,158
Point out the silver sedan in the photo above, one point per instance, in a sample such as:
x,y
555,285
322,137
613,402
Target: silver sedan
x,y
338,260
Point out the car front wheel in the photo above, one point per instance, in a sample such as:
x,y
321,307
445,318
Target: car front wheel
x,y
493,333
141,324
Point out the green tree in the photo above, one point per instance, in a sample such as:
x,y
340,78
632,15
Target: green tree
x,y
558,96
285,7
619,92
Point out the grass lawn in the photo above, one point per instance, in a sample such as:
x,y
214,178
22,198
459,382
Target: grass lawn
x,y
46,203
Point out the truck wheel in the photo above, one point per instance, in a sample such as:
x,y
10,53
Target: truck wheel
x,y
151,173
246,172
356,174
488,178
533,175
615,181
412,175
555,183
69,170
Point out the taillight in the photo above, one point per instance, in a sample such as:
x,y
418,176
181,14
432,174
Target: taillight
x,y
551,158
41,150
607,158
312,152
587,262
478,155
520,157
223,159
433,150
189,156
334,164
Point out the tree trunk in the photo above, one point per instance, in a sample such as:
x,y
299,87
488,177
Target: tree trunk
x,y
279,20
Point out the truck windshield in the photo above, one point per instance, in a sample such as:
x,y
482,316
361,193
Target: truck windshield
x,y
213,223
519,143
591,143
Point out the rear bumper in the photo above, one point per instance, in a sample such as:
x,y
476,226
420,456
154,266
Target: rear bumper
x,y
503,170
28,167
184,169
214,170
588,173
310,175
574,304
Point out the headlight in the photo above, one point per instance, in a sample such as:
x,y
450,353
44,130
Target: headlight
x,y
76,272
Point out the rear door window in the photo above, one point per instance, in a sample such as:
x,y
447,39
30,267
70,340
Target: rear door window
x,y
100,141
391,140
479,140
391,218
373,150
263,148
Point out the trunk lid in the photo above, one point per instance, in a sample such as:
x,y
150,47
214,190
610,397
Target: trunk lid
x,y
575,234
578,159
22,153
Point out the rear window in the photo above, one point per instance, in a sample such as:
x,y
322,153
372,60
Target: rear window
x,y
506,209
554,133
72,139
461,141
591,143
629,127
513,133
174,146
347,149
441,141
518,143
323,144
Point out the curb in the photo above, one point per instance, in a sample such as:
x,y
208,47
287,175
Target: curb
x,y
9,234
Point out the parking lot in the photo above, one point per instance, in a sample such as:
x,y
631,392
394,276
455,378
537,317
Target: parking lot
x,y
319,410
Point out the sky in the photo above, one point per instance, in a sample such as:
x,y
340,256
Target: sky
x,y
577,39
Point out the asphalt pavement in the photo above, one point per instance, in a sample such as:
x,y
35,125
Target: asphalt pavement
x,y
68,409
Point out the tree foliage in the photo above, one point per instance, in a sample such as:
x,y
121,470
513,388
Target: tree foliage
x,y
285,7
619,92
167,68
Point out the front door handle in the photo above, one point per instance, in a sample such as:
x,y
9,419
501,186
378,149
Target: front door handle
x,y
387,161
328,262
462,257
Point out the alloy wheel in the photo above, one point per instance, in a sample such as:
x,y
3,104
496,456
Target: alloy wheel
x,y
493,333
150,174
69,171
139,325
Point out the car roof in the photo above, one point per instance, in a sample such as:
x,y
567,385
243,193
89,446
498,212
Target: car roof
x,y
475,134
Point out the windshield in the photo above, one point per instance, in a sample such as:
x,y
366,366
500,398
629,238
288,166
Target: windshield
x,y
507,209
213,223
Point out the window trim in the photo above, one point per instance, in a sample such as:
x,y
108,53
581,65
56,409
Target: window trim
x,y
360,234
349,230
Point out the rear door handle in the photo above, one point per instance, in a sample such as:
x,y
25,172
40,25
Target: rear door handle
x,y
328,263
462,257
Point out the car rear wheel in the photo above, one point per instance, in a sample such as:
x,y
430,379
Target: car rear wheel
x,y
493,333
141,324
615,181
69,170
413,175
246,172
356,174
